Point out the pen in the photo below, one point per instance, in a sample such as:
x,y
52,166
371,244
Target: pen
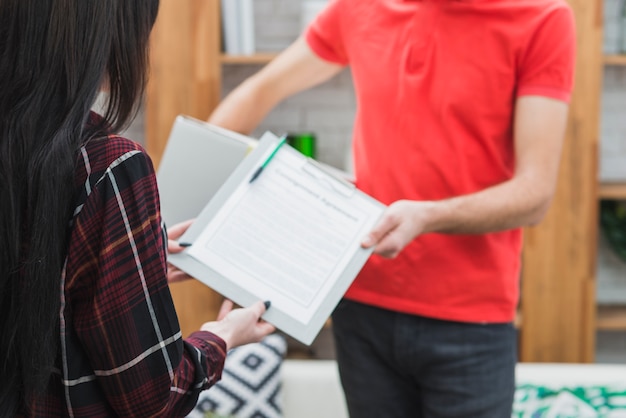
x,y
268,159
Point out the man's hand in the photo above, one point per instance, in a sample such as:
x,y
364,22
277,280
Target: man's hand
x,y
402,222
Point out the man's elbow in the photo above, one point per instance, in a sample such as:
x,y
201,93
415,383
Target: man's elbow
x,y
539,210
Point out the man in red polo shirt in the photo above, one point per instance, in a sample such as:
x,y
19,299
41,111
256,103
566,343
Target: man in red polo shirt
x,y
462,107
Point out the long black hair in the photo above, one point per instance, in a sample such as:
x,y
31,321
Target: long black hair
x,y
55,57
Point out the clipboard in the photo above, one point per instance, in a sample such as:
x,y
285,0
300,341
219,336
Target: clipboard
x,y
203,154
292,237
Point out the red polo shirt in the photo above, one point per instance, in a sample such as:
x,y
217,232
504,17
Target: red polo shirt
x,y
436,83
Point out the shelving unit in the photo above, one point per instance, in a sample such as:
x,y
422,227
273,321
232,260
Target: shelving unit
x,y
558,283
615,59
612,318
612,190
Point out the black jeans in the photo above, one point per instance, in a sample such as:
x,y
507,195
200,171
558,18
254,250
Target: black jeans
x,y
394,365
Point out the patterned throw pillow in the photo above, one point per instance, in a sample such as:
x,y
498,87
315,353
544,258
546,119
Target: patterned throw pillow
x,y
250,385
571,402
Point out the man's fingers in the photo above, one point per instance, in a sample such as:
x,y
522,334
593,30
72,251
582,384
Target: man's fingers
x,y
226,307
179,229
385,226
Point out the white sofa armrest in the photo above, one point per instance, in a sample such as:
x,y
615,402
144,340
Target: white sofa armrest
x,y
312,389
570,374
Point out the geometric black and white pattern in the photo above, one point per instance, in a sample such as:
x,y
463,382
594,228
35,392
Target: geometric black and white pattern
x,y
250,384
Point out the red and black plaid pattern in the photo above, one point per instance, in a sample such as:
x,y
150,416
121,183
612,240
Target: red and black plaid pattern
x,y
121,351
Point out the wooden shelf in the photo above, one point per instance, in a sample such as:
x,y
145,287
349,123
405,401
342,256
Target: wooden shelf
x,y
616,190
258,58
611,318
615,59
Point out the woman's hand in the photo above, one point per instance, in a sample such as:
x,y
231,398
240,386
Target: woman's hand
x,y
239,326
173,273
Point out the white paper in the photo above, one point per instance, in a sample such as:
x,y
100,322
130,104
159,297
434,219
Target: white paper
x,y
289,235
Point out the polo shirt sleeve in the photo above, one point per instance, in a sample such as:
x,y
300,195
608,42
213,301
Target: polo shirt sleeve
x,y
547,66
324,34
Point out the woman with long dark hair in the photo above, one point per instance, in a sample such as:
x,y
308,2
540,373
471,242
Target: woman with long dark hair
x,y
87,324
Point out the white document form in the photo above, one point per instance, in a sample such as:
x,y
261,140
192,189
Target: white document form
x,y
292,236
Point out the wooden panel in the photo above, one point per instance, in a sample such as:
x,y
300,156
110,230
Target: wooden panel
x,y
185,68
185,79
558,285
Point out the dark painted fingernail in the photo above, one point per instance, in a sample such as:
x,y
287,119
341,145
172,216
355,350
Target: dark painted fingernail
x,y
267,304
185,244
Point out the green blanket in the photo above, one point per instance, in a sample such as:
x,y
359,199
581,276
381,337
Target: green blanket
x,y
576,402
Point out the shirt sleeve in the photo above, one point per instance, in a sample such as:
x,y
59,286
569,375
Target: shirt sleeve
x,y
123,313
547,66
324,34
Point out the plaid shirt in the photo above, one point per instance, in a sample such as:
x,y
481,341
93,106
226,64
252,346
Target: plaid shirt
x,y
121,352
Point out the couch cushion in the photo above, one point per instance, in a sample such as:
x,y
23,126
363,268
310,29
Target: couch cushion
x,y
569,402
567,390
250,385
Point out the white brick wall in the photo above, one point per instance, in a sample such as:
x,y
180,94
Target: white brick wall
x,y
277,23
613,125
327,110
